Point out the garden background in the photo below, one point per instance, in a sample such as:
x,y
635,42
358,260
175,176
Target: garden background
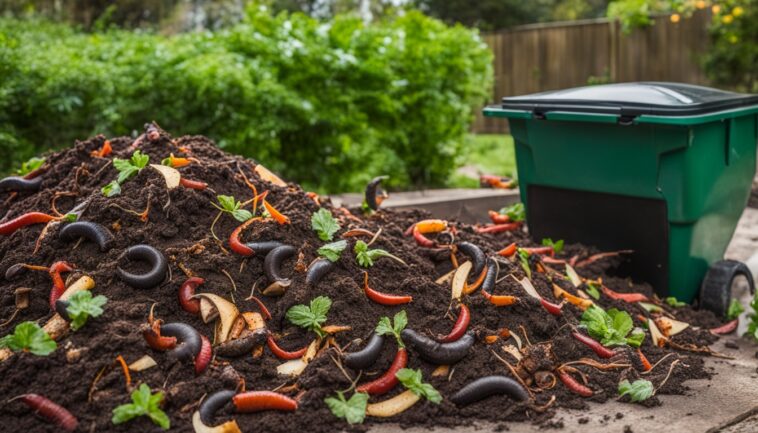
x,y
331,93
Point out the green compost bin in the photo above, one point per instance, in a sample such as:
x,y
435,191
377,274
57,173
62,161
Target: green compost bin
x,y
663,169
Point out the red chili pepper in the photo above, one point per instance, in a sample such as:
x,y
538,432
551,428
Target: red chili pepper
x,y
187,291
256,401
573,385
193,184
727,328
498,228
548,251
508,251
422,240
388,380
383,298
155,340
59,286
626,297
7,228
234,239
51,411
554,309
262,307
281,353
460,327
498,218
203,358
593,344
643,359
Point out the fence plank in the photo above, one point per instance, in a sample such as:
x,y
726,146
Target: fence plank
x,y
552,56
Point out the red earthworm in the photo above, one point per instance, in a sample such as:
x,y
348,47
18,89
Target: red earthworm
x,y
383,298
626,297
51,411
281,353
388,380
256,401
234,239
460,327
593,344
727,328
155,340
186,293
203,358
7,228
499,228
193,184
573,385
554,309
548,251
59,286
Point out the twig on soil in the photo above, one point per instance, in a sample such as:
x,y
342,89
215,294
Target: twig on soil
x,y
597,365
125,369
376,236
95,381
13,316
526,337
513,371
544,407
234,286
344,373
102,168
671,369
657,364
55,199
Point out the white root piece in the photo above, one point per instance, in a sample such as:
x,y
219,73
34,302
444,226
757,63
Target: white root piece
x,y
459,279
394,406
143,364
296,367
513,351
83,283
170,174
575,279
227,313
268,176
57,327
227,427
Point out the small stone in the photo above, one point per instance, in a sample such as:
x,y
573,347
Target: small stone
x,y
73,355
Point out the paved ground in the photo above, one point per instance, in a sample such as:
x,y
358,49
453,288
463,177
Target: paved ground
x,y
727,403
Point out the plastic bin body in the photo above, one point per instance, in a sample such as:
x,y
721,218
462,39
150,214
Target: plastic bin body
x,y
695,172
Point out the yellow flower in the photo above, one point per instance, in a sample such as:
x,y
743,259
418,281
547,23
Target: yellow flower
x,y
727,19
715,9
700,4
737,11
675,18
733,39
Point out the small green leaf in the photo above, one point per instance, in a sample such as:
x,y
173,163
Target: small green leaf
x,y
311,317
353,411
30,165
333,251
83,306
592,290
611,328
143,403
516,212
228,203
139,160
29,337
735,309
385,326
324,224
112,189
673,302
639,390
70,217
242,215
413,380
557,246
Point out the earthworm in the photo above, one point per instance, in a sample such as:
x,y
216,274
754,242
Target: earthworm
x,y
388,380
153,277
203,358
263,247
593,344
488,386
498,218
154,339
367,356
186,293
272,266
189,340
554,309
89,230
461,324
7,228
193,184
724,329
573,385
438,353
383,298
59,286
281,353
214,403
492,272
498,228
241,346
61,307
476,255
50,410
256,401
372,188
20,184
317,270
540,250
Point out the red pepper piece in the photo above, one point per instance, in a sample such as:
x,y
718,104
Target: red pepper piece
x,y
51,411
281,353
498,218
498,228
626,297
573,385
727,328
7,228
383,298
187,291
460,327
256,401
203,358
154,338
388,380
554,309
59,286
596,347
643,359
103,151
508,251
234,239
193,184
542,251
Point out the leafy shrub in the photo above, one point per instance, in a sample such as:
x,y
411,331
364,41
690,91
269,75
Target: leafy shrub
x,y
327,104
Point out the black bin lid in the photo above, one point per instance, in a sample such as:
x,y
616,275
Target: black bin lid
x,y
633,99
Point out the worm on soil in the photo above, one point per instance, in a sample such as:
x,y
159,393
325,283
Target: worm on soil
x,y
487,386
89,230
153,277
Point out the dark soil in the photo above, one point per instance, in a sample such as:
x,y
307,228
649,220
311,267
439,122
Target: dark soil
x,y
181,229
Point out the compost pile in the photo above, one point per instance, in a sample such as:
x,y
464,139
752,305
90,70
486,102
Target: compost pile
x,y
529,335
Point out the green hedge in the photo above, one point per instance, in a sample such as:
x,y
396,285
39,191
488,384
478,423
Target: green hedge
x,y
327,104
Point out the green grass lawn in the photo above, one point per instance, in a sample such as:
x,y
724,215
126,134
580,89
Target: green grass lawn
x,y
484,154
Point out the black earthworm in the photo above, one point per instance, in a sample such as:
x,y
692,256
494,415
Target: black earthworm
x,y
214,403
20,184
243,345
89,230
189,340
263,247
487,386
272,266
475,254
318,270
371,192
61,307
153,277
436,352
367,356
489,280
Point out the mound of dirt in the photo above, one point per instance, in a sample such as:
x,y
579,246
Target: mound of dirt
x,y
81,375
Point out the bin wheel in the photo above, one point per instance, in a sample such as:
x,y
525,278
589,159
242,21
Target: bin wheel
x,y
716,289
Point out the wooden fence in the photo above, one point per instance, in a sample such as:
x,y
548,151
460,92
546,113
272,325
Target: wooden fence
x,y
542,57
